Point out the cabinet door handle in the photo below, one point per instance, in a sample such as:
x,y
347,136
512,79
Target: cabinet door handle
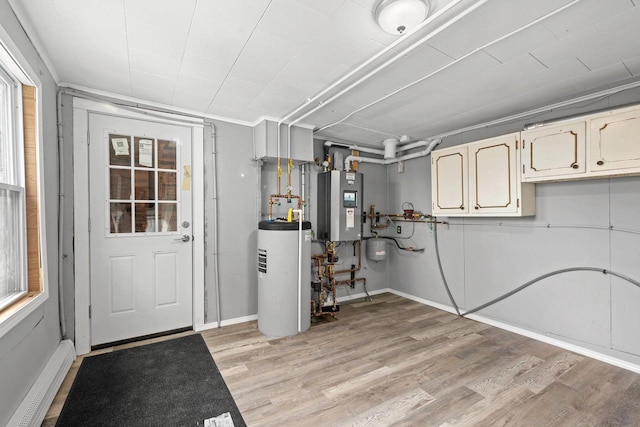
x,y
599,163
575,166
461,206
476,207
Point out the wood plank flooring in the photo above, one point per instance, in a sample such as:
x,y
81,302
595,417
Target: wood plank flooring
x,y
393,361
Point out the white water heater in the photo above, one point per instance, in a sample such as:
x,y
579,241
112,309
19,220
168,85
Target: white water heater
x,y
283,303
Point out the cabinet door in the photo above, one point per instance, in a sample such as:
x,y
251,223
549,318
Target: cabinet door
x,y
493,175
449,181
615,141
553,151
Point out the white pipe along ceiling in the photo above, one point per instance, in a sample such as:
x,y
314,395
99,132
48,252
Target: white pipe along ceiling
x,y
444,67
391,160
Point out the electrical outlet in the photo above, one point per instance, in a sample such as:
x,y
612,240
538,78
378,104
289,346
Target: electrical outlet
x,y
398,229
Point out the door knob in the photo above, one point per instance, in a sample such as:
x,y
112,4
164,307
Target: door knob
x,y
184,238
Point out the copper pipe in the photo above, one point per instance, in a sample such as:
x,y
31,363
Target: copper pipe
x,y
352,281
359,261
281,196
289,167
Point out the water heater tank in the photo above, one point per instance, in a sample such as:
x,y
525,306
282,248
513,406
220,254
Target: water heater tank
x,y
278,298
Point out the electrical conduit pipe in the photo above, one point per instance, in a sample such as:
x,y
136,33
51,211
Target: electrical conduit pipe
x,y
300,215
216,276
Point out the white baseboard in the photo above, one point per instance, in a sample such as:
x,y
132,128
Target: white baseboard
x,y
530,334
363,295
243,319
227,322
35,405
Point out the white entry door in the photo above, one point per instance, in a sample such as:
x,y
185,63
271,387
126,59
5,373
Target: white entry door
x,y
140,227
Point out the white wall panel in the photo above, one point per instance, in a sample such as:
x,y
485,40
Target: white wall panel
x,y
583,14
237,223
580,43
166,278
122,271
521,43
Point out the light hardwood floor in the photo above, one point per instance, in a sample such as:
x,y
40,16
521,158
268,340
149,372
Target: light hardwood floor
x,y
397,362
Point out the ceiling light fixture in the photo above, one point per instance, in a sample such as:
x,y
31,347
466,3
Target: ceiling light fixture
x,y
399,16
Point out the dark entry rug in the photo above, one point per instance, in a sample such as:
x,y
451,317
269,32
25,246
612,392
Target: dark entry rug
x,y
170,383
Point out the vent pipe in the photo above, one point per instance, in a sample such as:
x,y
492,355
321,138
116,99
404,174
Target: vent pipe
x,y
390,148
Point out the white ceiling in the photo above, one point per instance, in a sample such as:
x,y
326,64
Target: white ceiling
x,y
247,59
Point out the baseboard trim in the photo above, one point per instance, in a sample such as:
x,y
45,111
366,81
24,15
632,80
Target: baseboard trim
x,y
363,295
227,322
35,405
530,334
243,319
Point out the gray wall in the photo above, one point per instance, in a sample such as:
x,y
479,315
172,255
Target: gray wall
x,y
485,257
68,254
373,188
237,185
25,350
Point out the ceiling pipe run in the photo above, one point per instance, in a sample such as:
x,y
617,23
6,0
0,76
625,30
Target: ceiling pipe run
x,y
360,67
431,145
398,149
354,147
400,55
443,68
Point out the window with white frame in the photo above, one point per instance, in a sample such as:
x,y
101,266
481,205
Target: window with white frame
x,y
13,252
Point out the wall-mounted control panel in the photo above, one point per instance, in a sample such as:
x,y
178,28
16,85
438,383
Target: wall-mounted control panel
x,y
339,206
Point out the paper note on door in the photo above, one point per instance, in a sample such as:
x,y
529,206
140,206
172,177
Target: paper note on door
x,y
351,217
145,152
186,179
120,146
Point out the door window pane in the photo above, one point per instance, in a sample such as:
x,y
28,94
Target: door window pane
x,y
119,150
145,217
167,218
167,186
167,154
120,184
145,152
145,173
145,185
120,217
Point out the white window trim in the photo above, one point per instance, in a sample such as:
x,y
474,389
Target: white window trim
x,y
18,65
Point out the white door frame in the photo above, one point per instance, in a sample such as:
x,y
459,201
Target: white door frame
x,y
81,109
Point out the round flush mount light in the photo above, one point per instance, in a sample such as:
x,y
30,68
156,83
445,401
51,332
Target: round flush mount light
x,y
399,16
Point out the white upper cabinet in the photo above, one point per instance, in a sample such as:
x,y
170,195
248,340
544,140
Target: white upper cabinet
x,y
597,146
480,179
449,181
615,142
555,151
494,184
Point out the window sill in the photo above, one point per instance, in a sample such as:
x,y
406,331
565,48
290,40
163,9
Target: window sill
x,y
17,312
